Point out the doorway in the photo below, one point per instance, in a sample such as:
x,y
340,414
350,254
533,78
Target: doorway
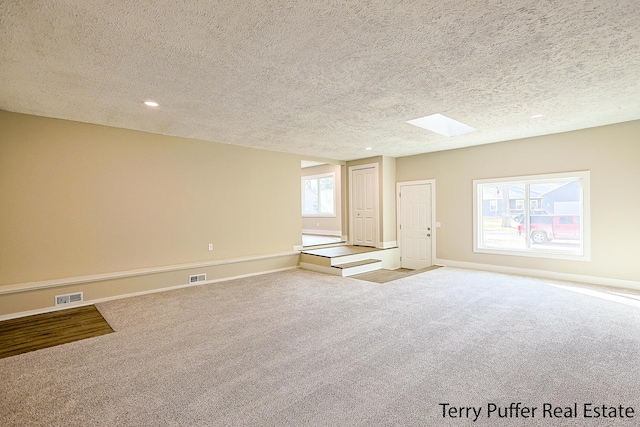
x,y
416,237
321,196
363,188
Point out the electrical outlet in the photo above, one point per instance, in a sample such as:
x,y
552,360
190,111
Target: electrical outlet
x,y
210,246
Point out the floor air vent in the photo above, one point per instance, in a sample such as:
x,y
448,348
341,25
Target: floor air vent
x,y
198,278
69,298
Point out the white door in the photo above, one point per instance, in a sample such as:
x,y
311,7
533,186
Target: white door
x,y
415,226
364,206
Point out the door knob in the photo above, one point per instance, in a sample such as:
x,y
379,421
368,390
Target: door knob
x,y
428,234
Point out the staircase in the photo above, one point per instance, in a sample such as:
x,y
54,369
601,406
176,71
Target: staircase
x,y
344,260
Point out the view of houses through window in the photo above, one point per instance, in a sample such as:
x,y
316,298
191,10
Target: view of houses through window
x,y
318,195
553,224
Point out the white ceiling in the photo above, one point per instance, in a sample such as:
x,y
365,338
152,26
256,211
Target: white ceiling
x,y
324,78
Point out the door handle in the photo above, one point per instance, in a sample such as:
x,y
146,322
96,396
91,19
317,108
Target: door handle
x,y
428,234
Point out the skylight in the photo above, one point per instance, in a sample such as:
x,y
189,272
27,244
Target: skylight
x,y
442,124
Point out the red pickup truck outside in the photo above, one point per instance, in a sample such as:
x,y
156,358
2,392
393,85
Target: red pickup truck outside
x,y
552,227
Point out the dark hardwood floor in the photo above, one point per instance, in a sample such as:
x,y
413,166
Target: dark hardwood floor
x,y
30,333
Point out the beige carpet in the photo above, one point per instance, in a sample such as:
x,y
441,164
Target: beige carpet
x,y
299,348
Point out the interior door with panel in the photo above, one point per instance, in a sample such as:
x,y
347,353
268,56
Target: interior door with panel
x,y
364,206
415,226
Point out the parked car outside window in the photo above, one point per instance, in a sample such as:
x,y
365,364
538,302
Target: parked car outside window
x,y
551,227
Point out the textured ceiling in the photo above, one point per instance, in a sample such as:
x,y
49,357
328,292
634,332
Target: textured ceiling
x,y
324,78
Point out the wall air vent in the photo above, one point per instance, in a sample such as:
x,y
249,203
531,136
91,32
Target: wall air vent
x,y
69,298
198,278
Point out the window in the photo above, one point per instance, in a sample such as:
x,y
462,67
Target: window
x,y
555,226
318,195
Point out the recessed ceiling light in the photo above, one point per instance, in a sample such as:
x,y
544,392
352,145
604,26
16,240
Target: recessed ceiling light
x,y
536,116
443,125
369,148
150,103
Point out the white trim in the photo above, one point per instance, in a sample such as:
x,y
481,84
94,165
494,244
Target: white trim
x,y
31,286
433,215
313,231
389,245
135,294
376,194
544,274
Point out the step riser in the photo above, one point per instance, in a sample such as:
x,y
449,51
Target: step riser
x,y
344,272
355,257
328,262
315,259
321,269
352,271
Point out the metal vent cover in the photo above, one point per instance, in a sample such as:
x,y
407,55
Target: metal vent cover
x,y
69,298
198,278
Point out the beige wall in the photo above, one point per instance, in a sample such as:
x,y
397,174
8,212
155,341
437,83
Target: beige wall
x,y
389,200
611,153
79,199
333,224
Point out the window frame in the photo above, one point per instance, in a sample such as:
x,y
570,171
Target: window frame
x,y
317,178
585,215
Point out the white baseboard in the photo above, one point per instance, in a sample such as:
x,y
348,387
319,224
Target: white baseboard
x,y
134,294
30,286
543,274
388,245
